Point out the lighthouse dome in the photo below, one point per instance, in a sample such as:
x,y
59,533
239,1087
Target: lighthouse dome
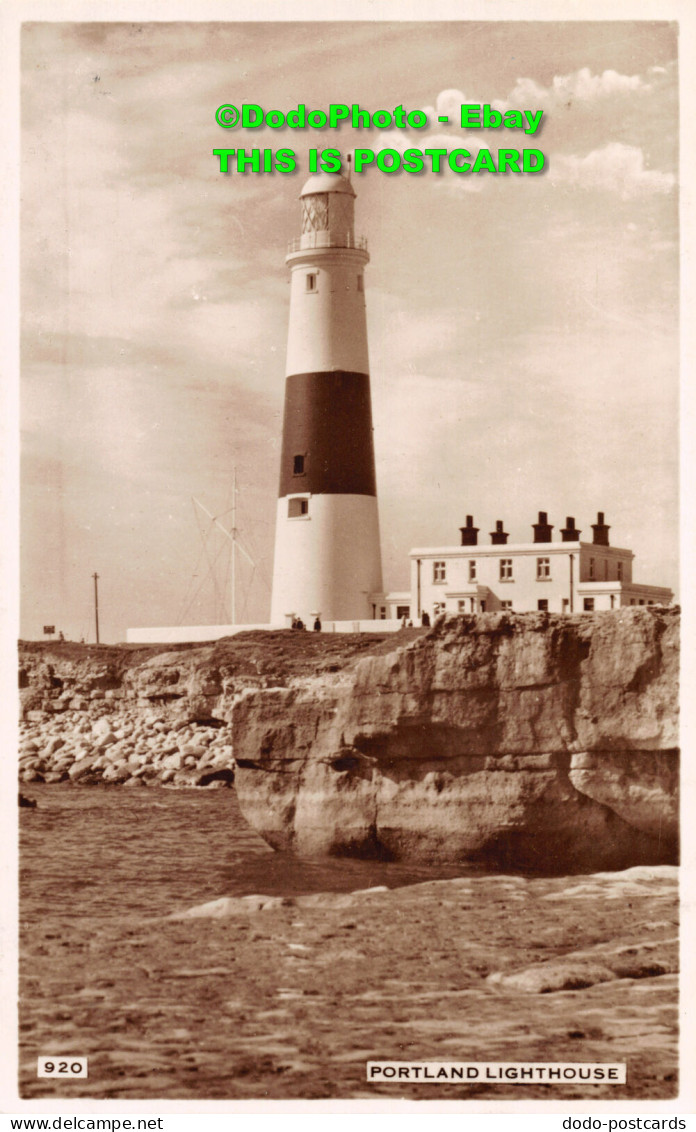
x,y
327,183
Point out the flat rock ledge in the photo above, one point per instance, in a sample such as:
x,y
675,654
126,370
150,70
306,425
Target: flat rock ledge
x,y
651,952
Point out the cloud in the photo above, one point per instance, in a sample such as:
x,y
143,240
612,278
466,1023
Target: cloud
x,y
615,168
448,103
618,167
579,86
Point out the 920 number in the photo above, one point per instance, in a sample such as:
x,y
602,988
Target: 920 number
x,y
62,1067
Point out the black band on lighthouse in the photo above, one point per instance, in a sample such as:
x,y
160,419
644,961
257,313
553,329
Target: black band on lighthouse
x,y
327,433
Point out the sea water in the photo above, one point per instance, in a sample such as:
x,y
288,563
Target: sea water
x,y
115,851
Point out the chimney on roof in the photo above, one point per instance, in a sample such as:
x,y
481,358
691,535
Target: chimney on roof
x,y
542,528
499,537
569,533
600,531
469,532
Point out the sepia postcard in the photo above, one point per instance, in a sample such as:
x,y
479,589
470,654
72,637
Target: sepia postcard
x,y
348,584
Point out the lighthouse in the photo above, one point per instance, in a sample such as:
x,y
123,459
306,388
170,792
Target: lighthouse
x,y
327,549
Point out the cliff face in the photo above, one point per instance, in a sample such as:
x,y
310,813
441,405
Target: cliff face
x,y
517,740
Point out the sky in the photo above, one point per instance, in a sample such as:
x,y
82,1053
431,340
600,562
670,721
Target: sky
x,y
522,329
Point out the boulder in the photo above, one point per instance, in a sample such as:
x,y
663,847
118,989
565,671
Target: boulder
x,y
82,769
102,735
525,740
31,775
36,715
116,772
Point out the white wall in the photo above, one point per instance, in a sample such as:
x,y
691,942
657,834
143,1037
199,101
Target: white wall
x,y
525,588
327,561
327,329
182,634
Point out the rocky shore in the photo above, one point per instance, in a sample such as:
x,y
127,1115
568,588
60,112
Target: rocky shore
x,y
519,741
136,716
544,741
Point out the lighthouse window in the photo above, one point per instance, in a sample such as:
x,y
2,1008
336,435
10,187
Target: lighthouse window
x,y
619,570
297,508
311,282
361,283
298,465
315,212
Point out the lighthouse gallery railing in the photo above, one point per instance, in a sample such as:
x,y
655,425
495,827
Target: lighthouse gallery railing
x,y
325,239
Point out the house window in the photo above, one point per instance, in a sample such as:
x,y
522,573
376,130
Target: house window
x,y
461,605
543,568
403,611
383,613
506,605
543,605
591,569
506,569
297,508
361,283
298,465
619,571
439,571
588,604
472,569
311,282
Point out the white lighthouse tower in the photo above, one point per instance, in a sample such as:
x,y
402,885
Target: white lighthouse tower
x,y
327,550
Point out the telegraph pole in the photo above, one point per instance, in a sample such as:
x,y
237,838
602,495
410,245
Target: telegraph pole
x,y
96,604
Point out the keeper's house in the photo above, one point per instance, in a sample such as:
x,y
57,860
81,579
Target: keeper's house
x,y
570,576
